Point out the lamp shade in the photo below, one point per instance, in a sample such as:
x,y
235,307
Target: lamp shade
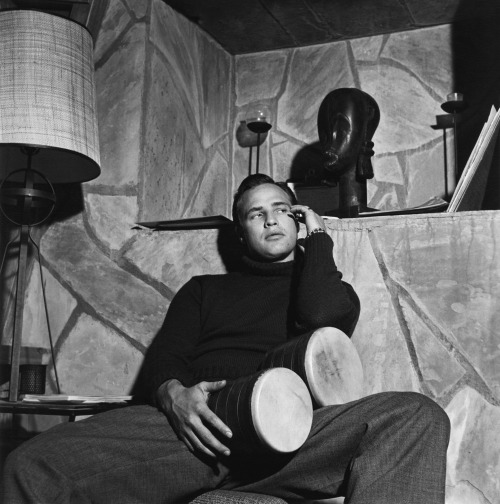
x,y
47,96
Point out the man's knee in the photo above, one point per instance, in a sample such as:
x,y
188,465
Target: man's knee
x,y
426,411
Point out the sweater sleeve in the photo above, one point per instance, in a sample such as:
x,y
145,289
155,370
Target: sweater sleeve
x,y
323,299
169,354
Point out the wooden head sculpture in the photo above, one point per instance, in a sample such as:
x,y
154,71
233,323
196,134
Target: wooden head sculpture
x,y
347,120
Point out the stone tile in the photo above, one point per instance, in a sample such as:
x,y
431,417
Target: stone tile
x,y
259,76
439,368
60,305
428,52
465,493
211,196
314,72
406,111
114,23
473,475
367,49
115,295
139,7
378,337
111,218
176,39
283,152
425,174
120,84
173,154
95,360
387,169
173,257
224,148
216,83
383,196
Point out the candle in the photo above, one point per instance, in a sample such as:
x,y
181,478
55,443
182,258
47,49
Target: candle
x,y
455,97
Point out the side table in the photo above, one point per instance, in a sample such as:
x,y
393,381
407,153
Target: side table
x,y
62,409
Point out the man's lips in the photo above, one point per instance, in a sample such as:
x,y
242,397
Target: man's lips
x,y
274,235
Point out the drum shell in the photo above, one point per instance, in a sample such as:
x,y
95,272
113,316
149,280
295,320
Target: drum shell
x,y
326,360
238,404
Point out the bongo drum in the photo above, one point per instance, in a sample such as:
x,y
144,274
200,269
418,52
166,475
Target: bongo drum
x,y
269,410
326,360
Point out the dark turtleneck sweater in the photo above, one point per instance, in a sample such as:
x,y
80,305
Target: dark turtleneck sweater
x,y
220,326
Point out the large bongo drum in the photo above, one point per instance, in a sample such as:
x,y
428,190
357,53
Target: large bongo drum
x,y
326,360
270,410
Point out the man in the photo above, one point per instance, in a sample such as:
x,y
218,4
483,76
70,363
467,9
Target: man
x,y
387,448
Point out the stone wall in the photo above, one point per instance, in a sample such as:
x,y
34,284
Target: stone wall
x,y
409,74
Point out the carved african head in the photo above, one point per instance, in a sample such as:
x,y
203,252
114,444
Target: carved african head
x,y
347,120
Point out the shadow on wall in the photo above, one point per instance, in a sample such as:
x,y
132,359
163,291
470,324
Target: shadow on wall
x,y
69,199
307,165
476,46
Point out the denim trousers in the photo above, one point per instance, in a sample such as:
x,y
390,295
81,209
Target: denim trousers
x,y
387,448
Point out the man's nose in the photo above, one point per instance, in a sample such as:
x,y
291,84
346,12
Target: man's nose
x,y
271,220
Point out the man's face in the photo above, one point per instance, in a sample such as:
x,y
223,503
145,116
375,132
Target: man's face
x,y
268,226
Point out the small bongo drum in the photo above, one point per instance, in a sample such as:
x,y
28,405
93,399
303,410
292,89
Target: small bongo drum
x,y
268,410
326,360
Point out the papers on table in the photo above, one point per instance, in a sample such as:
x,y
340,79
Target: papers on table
x,y
434,204
74,399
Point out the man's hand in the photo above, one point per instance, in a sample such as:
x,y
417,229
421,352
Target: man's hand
x,y
190,416
309,217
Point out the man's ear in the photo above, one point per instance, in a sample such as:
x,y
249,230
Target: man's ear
x,y
239,233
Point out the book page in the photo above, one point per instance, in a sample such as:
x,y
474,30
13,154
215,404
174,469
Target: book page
x,y
470,189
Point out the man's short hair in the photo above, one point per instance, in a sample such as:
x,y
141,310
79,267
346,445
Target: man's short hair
x,y
256,180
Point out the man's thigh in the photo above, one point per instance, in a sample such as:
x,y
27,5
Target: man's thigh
x,y
355,448
125,455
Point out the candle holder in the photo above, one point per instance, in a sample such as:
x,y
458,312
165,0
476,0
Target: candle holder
x,y
454,105
258,123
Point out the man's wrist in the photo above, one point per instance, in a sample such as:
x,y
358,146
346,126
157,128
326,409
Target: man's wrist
x,y
314,231
167,387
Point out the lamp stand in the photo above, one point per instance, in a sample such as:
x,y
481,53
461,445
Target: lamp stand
x,y
27,198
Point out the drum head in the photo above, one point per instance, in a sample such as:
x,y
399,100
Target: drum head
x,y
281,410
333,367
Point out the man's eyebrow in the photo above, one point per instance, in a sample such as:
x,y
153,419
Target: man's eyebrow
x,y
253,209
